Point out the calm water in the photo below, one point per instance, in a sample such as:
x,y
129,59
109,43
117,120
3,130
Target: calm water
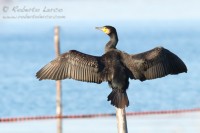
x,y
23,53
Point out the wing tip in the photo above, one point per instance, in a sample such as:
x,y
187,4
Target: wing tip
x,y
38,77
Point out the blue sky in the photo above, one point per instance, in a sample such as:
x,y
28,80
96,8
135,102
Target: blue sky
x,y
98,13
75,10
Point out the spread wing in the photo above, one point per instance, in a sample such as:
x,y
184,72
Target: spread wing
x,y
152,64
75,65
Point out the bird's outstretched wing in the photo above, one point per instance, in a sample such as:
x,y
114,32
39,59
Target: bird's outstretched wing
x,y
154,63
75,65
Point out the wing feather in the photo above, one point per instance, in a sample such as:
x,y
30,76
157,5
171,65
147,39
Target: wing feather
x,y
152,64
75,65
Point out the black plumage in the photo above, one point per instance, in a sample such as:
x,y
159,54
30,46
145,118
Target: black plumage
x,y
114,66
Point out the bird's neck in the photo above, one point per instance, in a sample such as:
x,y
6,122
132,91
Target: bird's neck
x,y
112,43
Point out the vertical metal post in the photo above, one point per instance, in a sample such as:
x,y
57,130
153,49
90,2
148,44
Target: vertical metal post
x,y
58,84
121,120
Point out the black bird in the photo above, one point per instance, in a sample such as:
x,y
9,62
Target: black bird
x,y
114,66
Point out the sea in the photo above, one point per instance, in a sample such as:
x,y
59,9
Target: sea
x,y
26,47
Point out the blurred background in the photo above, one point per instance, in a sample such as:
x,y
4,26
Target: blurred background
x,y
26,44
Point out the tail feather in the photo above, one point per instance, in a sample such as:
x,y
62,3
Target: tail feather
x,y
118,99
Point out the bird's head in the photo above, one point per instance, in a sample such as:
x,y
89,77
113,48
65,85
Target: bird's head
x,y
107,29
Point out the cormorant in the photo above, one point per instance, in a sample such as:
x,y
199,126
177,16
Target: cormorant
x,y
114,66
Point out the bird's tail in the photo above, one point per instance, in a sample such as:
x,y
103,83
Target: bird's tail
x,y
118,99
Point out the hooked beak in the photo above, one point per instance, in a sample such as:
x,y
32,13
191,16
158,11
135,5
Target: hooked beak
x,y
104,29
99,28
